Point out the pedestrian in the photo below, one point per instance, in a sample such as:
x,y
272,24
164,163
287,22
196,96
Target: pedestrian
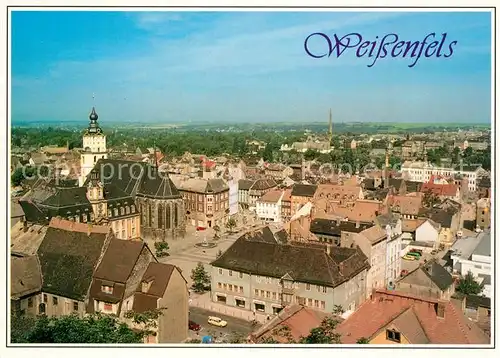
x,y
268,318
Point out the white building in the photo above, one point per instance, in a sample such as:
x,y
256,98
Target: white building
x,y
473,254
428,232
268,207
422,172
393,253
94,147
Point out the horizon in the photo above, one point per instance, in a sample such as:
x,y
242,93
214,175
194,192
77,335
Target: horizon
x,y
188,67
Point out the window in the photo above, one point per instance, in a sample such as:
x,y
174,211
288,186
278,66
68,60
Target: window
x,y
30,302
318,287
241,289
230,287
109,213
308,287
316,303
116,211
45,299
309,302
268,294
392,335
219,285
85,218
107,289
133,208
220,271
240,303
127,210
274,295
241,274
324,289
41,308
256,292
108,307
230,273
322,305
224,286
262,293
122,210
260,307
75,306
54,301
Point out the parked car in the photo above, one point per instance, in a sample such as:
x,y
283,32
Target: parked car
x,y
416,255
216,321
409,257
193,326
433,252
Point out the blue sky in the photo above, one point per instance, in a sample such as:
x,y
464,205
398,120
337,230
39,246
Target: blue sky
x,y
242,67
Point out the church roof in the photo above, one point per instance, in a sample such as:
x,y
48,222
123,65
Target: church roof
x,y
157,185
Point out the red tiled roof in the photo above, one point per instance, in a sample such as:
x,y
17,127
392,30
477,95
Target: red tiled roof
x,y
440,189
385,307
299,319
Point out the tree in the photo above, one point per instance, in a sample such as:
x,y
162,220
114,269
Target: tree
x,y
311,154
147,320
231,224
430,199
161,248
363,340
324,334
201,279
217,231
469,286
94,328
338,310
267,155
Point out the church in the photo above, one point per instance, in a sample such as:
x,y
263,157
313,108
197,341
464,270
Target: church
x,y
135,198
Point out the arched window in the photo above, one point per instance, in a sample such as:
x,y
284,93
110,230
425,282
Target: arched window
x,y
168,217
176,215
150,215
116,211
160,217
127,210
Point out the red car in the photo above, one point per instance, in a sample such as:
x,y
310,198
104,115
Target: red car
x,y
193,326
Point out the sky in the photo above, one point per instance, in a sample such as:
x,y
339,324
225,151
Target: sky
x,y
176,67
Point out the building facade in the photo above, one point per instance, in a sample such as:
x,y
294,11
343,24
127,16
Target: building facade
x,y
94,147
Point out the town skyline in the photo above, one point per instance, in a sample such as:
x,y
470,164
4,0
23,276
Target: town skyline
x,y
224,70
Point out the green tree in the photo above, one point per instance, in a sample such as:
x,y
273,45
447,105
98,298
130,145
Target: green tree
x,y
430,199
161,248
338,310
324,334
217,232
94,328
231,224
201,279
363,340
469,286
311,154
267,155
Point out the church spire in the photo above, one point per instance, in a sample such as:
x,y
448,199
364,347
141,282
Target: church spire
x,y
330,127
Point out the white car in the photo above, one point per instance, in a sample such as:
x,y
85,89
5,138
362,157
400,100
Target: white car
x,y
216,321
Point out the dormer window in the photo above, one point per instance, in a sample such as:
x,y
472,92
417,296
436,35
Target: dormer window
x,y
393,335
133,208
116,211
127,210
107,289
146,285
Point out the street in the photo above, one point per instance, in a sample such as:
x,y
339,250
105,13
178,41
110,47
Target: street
x,y
236,328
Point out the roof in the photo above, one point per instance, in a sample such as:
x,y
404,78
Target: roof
x,y
157,185
26,243
337,192
159,274
440,216
386,307
334,227
119,260
287,196
272,196
437,274
413,186
68,225
124,174
244,184
26,276
303,190
68,260
263,184
299,320
374,234
449,190
144,302
407,205
199,185
304,263
475,301
484,246
96,292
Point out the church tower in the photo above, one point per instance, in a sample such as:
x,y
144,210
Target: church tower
x,y
94,147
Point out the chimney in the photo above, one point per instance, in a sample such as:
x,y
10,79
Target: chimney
x,y
440,308
338,221
25,226
357,224
328,249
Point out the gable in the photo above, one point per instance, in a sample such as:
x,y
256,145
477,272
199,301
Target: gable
x,y
418,278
